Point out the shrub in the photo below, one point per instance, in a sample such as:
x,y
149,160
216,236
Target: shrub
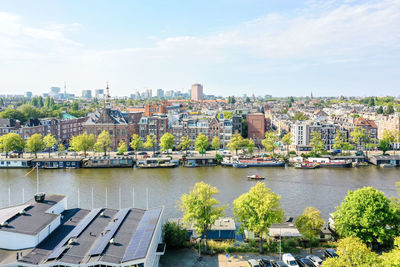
x,y
174,236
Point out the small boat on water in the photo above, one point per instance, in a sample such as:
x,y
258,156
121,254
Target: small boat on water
x,y
255,177
239,165
307,165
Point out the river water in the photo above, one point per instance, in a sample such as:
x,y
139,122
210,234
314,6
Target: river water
x,y
321,188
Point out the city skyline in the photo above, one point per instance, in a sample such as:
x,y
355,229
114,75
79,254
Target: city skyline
x,y
278,48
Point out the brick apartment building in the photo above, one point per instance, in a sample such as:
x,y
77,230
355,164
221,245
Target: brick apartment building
x,y
256,127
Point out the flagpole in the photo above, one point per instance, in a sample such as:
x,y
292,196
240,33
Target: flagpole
x,y
37,177
106,198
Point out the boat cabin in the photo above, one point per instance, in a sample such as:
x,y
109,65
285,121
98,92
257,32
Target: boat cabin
x,y
199,161
15,163
57,163
107,162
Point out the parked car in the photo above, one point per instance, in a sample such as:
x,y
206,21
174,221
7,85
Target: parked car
x,y
315,260
303,262
266,262
289,260
128,153
330,253
253,263
279,264
142,153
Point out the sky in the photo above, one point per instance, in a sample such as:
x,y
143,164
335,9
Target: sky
x,y
232,47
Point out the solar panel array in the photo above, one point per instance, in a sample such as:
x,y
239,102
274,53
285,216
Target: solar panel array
x,y
8,213
110,230
60,248
141,239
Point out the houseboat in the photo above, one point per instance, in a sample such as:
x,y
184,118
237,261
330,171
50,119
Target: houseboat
x,y
107,162
254,162
306,165
15,163
199,161
156,163
57,163
331,163
386,160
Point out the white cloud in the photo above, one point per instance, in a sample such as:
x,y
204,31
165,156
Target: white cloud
x,y
326,32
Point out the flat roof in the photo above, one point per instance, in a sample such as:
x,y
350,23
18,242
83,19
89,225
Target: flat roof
x,y
35,219
79,252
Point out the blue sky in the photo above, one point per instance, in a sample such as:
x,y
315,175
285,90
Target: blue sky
x,y
273,47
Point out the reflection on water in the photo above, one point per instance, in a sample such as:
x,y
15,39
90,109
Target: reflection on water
x,y
322,188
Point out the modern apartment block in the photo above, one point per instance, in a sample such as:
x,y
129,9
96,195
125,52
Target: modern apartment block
x,y
197,92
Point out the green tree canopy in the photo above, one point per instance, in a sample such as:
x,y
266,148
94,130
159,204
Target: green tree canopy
x,y
359,136
82,142
389,109
287,139
352,253
185,143
384,145
258,209
35,144
11,142
299,116
215,143
49,142
379,110
270,141
367,214
392,258
103,142
237,142
13,114
173,235
201,145
167,142
122,147
316,143
199,208
151,142
136,143
310,224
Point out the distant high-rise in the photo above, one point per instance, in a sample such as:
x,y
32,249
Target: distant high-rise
x,y
160,93
99,93
28,94
55,90
87,94
148,93
197,91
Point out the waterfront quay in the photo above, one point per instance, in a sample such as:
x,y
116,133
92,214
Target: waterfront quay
x,y
322,188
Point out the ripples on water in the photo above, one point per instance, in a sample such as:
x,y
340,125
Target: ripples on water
x,y
322,188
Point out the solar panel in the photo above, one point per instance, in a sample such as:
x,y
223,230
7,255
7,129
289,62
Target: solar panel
x,y
102,243
59,249
8,213
141,239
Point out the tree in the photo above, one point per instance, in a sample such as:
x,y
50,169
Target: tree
x,y
49,142
341,143
270,141
82,142
185,144
379,110
201,145
250,145
122,147
167,142
358,136
61,149
352,252
35,144
388,138
299,116
258,209
173,235
29,111
287,139
316,143
367,214
235,143
11,142
392,258
136,143
151,142
309,224
215,143
199,208
13,114
389,110
371,102
384,145
103,142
